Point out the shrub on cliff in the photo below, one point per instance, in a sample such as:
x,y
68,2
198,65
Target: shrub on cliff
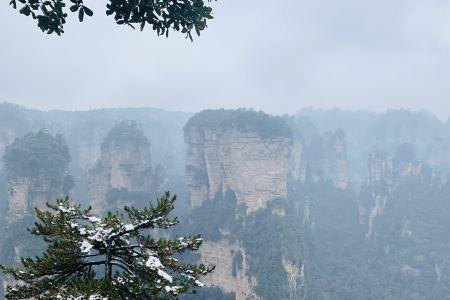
x,y
92,258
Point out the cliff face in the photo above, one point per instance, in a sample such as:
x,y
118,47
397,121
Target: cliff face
x,y
234,154
124,164
7,136
37,171
385,175
232,269
244,154
323,159
327,159
376,189
254,168
88,151
404,207
298,161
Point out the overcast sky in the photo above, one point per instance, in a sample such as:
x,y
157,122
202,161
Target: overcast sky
x,y
274,55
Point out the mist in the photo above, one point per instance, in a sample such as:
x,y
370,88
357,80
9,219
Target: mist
x,y
277,57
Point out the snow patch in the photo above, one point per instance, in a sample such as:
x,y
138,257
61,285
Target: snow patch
x,y
153,262
129,227
86,247
199,284
164,275
94,219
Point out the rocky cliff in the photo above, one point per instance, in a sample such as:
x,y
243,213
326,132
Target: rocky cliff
x,y
232,272
37,171
297,161
235,154
7,136
376,189
124,166
327,159
84,132
322,158
385,174
237,169
404,208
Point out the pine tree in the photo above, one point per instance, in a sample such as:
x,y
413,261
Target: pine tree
x,y
90,258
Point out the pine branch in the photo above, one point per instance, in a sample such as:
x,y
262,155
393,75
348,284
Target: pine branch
x,y
78,243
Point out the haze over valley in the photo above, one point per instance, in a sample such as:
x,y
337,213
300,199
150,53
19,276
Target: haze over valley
x,y
319,204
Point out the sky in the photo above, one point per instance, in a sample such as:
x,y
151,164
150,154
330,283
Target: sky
x,y
275,55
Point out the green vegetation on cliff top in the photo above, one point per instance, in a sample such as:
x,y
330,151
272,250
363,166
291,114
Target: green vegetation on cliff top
x,y
35,154
265,125
125,131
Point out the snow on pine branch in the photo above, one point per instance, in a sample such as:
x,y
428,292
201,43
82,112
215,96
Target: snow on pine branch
x,y
86,248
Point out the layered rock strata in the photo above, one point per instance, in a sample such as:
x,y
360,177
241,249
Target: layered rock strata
x,y
124,164
37,168
243,159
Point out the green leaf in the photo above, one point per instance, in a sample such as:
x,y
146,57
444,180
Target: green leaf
x,y
25,10
81,14
88,11
74,8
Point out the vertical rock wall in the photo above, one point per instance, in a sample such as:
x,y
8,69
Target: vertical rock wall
x,y
125,163
323,159
385,173
247,153
37,171
254,167
327,159
232,269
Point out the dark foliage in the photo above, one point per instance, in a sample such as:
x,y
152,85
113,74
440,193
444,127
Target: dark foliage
x,y
89,258
333,240
243,119
184,16
36,154
123,132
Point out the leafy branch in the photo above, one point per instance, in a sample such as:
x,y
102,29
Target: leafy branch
x,y
185,16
